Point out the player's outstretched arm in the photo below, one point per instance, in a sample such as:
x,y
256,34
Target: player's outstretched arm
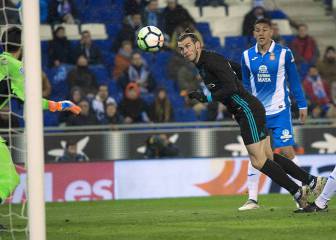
x,y
63,106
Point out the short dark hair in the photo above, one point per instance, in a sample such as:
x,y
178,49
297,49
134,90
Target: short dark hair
x,y
70,143
264,21
85,32
302,25
11,39
330,48
187,33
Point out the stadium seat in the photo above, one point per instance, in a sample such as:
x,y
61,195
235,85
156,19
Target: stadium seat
x,y
194,12
114,90
284,26
212,42
108,58
44,54
277,14
50,118
148,98
113,29
236,41
176,100
104,45
203,28
57,77
99,3
71,31
288,38
46,32
213,12
239,10
98,31
101,73
110,14
203,115
184,115
231,26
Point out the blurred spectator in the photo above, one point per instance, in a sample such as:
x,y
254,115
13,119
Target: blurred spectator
x,y
123,59
86,116
89,49
8,120
173,15
81,76
139,73
128,31
304,47
76,96
257,3
251,17
328,6
180,29
216,111
134,6
46,86
9,13
159,146
62,11
183,72
317,91
112,115
152,15
276,34
161,110
327,66
71,154
132,107
100,101
44,11
59,48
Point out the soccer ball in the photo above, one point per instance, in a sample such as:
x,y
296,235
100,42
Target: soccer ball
x,y
150,39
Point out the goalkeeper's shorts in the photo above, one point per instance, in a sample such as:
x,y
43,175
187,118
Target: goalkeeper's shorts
x,y
9,178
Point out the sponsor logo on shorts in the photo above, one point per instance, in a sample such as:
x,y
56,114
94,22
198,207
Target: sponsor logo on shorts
x,y
286,135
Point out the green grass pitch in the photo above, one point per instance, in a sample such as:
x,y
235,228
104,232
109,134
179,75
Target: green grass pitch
x,y
206,218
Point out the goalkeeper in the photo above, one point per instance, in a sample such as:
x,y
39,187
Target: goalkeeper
x,y
12,82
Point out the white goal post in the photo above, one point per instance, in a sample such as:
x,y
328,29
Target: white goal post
x,y
33,119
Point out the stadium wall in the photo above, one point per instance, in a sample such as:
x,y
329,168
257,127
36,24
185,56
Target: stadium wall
x,y
191,142
157,178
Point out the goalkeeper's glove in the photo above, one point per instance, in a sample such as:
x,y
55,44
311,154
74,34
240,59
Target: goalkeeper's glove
x,y
64,106
198,95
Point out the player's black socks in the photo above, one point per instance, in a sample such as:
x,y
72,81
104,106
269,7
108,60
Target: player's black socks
x,y
294,170
278,175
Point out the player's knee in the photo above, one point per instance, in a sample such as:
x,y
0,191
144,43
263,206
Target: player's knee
x,y
269,153
257,163
288,153
16,179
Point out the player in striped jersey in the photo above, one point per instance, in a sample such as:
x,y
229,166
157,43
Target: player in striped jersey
x,y
267,68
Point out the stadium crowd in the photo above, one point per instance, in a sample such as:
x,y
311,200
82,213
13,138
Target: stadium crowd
x,y
115,83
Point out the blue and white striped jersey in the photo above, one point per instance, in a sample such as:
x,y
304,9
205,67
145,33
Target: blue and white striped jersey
x,y
266,77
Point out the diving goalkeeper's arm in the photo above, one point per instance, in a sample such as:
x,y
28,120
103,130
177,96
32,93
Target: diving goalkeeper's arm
x,y
12,68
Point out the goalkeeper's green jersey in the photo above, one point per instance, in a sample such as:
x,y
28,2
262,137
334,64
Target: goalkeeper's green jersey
x,y
12,69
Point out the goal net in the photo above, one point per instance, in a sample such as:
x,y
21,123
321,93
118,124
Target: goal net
x,y
14,211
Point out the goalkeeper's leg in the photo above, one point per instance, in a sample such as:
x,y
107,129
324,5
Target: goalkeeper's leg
x,y
9,178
